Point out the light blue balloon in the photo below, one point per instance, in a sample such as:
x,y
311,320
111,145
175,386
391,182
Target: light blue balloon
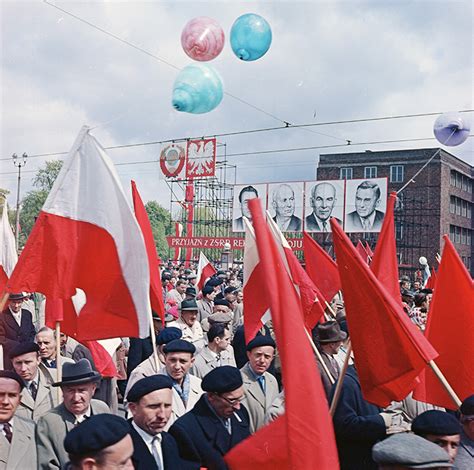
x,y
250,37
197,89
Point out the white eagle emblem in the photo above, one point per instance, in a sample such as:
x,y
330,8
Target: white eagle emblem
x,y
201,158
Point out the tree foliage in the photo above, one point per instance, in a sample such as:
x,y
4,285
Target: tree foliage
x,y
160,220
46,176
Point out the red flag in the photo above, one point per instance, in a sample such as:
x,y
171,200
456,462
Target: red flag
x,y
431,281
312,300
362,252
205,271
321,268
369,250
86,237
389,350
156,288
450,329
384,261
103,355
303,438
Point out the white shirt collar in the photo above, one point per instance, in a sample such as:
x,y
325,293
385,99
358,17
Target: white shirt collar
x,y
80,418
16,316
371,219
35,380
9,422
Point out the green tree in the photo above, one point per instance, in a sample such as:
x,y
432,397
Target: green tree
x,y
160,220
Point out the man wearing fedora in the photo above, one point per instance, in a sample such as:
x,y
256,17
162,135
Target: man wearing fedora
x,y
188,324
16,325
78,384
330,341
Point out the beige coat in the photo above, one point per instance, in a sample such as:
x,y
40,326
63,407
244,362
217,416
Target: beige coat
x,y
256,402
20,454
192,334
206,360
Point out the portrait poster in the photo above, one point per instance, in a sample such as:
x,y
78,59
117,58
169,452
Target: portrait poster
x,y
285,204
242,193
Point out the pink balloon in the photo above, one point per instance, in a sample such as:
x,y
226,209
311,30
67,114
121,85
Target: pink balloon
x,y
202,39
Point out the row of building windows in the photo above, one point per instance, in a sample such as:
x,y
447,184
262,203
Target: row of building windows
x,y
396,173
460,235
467,261
458,180
460,207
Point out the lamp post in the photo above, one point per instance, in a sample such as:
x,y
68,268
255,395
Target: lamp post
x,y
18,162
226,257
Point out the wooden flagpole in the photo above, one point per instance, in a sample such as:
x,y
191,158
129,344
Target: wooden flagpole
x,y
333,313
3,301
58,358
153,343
340,379
320,359
445,383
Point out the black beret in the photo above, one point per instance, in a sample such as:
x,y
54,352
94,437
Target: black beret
x,y
166,276
222,302
436,422
222,379
426,290
147,385
207,289
96,433
9,374
179,345
261,340
188,305
467,407
407,293
168,334
214,281
23,348
230,290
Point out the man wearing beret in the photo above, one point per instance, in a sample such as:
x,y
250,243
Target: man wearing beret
x,y
217,422
441,428
150,402
206,303
17,434
103,441
78,384
38,395
465,457
260,387
188,324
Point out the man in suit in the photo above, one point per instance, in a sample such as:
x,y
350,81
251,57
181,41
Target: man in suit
x,y
322,200
79,382
249,192
38,396
46,340
261,388
366,217
283,202
206,303
16,324
17,434
150,403
217,422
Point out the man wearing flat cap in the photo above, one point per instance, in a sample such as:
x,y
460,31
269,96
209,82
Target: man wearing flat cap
x,y
217,422
406,451
188,324
38,395
465,457
150,403
260,387
441,428
17,434
78,384
101,442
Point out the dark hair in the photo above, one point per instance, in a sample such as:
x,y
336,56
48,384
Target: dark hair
x,y
247,189
216,330
419,299
369,185
99,456
181,282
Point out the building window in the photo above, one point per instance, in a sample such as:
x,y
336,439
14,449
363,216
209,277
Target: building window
x,y
464,208
464,183
468,237
346,174
453,178
463,236
398,231
370,172
396,174
452,233
458,206
457,233
452,204
458,180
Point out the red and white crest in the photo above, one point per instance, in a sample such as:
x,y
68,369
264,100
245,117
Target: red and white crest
x,y
201,158
172,160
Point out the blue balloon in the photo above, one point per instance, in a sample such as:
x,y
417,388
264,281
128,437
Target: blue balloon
x,y
197,89
451,129
250,37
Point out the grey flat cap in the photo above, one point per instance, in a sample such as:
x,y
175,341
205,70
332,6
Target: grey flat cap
x,y
411,451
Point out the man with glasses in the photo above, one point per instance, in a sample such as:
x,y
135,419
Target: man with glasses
x,y
217,422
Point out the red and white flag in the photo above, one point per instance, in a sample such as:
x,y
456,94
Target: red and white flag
x,y
205,271
86,237
8,254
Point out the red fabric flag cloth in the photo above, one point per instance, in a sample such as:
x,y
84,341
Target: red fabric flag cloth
x,y
431,281
304,437
369,250
86,237
360,248
156,288
390,352
384,261
321,268
450,329
205,271
312,301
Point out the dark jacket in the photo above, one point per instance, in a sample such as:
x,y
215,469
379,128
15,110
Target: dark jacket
x,y
202,437
139,350
357,424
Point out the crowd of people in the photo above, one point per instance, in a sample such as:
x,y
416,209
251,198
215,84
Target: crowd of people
x,y
204,391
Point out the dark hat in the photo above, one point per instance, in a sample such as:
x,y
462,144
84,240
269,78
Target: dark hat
x,y
261,340
76,373
191,276
18,296
179,345
214,281
147,385
230,290
436,422
407,293
222,379
467,407
409,451
168,334
23,348
207,289
190,291
221,272
9,374
330,332
220,317
188,305
187,271
221,302
426,290
165,275
96,433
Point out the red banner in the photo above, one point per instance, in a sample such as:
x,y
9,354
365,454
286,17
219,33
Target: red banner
x,y
219,242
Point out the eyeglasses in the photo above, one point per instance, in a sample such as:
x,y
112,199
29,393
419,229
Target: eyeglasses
x,y
231,401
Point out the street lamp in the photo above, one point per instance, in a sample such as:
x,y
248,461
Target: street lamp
x,y
18,162
226,257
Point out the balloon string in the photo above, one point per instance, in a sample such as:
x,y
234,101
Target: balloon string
x,y
412,179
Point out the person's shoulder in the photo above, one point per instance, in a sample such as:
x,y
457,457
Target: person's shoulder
x,y
25,423
98,406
